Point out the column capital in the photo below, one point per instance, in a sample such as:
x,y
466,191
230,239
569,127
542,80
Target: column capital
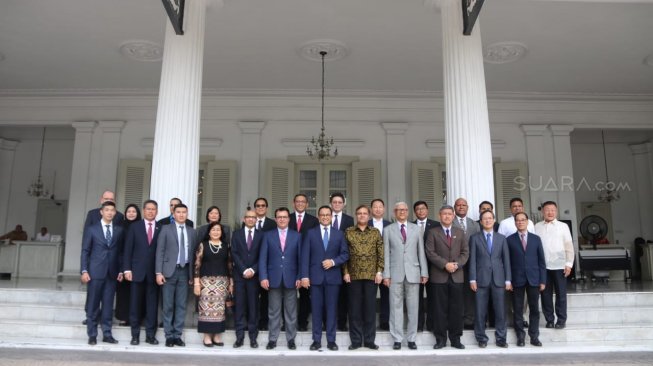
x,y
251,127
84,126
394,128
640,149
533,130
111,126
561,130
8,145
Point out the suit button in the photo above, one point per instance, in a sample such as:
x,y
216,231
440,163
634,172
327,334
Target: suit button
x,y
282,257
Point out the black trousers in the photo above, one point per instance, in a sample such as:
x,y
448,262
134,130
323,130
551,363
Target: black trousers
x,y
246,308
304,307
447,311
362,314
263,309
425,305
556,282
533,294
384,304
144,295
343,305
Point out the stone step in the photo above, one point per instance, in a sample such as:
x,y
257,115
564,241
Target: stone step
x,y
43,297
609,300
610,315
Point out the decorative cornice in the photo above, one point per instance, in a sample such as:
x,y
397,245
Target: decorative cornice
x,y
440,143
8,145
142,50
251,127
533,130
302,142
335,50
84,126
640,149
111,126
504,52
394,128
561,130
204,142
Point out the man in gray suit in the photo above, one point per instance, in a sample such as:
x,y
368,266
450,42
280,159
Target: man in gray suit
x,y
174,269
469,227
489,275
404,269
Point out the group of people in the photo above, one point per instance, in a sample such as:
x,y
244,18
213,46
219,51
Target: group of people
x,y
279,271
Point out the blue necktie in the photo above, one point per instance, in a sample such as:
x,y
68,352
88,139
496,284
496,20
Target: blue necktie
x,y
182,247
489,243
325,238
107,235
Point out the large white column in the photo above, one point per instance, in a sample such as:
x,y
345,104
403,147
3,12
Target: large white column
x,y
250,157
541,167
77,196
643,162
395,146
466,123
110,153
7,154
175,159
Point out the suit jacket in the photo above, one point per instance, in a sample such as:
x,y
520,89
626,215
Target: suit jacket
x,y
167,250
99,257
345,222
308,222
139,256
203,231
472,226
280,268
94,217
439,254
313,253
489,268
430,224
268,224
528,267
404,260
242,257
370,223
167,221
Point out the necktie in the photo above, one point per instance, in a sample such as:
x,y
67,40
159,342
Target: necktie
x,y
299,223
150,233
421,228
182,247
462,224
260,224
523,241
325,238
403,233
282,238
448,237
107,234
249,240
489,243
335,222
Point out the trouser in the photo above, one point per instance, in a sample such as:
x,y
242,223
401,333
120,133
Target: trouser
x,y
144,292
485,295
246,309
175,295
533,294
362,315
447,311
277,297
556,282
400,290
100,292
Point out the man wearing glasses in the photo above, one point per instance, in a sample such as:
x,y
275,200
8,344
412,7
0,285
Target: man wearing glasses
x,y
262,224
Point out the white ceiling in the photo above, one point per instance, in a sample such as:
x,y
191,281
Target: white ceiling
x,y
574,46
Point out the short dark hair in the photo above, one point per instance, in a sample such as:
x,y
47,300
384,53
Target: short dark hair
x,y
324,206
484,212
152,202
486,203
176,199
418,203
214,207
362,206
211,225
336,194
181,205
108,203
300,195
281,209
515,199
549,203
446,207
375,200
521,213
261,199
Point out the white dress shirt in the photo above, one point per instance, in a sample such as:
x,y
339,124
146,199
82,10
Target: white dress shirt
x,y
507,227
557,244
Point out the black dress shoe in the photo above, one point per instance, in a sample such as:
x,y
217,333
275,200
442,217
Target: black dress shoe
x,y
458,345
468,326
536,342
123,324
482,344
549,325
179,342
439,345
219,344
253,344
371,346
525,324
109,339
271,345
396,346
332,346
135,341
384,326
502,344
207,344
315,346
84,322
292,345
151,340
520,343
302,328
170,342
354,346
412,345
560,325
92,341
238,343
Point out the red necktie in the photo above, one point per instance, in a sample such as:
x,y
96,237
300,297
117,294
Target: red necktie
x,y
403,233
150,234
299,223
249,240
448,238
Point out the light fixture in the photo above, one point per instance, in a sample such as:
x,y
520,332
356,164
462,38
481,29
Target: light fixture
x,y
320,148
37,189
609,192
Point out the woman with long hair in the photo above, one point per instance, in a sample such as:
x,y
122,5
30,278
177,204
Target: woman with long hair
x,y
132,214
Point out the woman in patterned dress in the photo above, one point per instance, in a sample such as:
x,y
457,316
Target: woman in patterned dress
x,y
212,283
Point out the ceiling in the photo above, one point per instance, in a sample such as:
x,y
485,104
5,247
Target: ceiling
x,y
583,46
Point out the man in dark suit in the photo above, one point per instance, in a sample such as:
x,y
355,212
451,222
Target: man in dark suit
x,y
100,269
174,271
421,210
528,276
263,224
489,275
171,219
341,221
324,251
447,251
301,221
245,246
379,222
94,216
139,258
279,265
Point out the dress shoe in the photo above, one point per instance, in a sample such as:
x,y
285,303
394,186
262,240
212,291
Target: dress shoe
x,y
219,344
332,346
396,346
371,346
92,341
238,343
253,344
560,325
458,345
343,328
292,345
384,326
549,325
271,345
502,344
439,345
315,346
170,342
151,340
179,342
262,327
123,324
135,341
412,345
520,343
525,324
208,344
482,344
354,346
302,328
109,339
468,326
84,322
536,342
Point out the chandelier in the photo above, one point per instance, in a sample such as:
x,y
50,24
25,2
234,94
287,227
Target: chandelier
x,y
609,192
320,148
37,189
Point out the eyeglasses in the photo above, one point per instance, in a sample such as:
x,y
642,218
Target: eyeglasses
x,y
250,217
282,217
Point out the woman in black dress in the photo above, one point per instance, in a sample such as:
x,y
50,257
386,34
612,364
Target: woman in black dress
x,y
212,283
132,214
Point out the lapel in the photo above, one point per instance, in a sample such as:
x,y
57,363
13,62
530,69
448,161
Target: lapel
x,y
443,237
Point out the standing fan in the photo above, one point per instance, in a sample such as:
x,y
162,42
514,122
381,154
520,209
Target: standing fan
x,y
593,228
